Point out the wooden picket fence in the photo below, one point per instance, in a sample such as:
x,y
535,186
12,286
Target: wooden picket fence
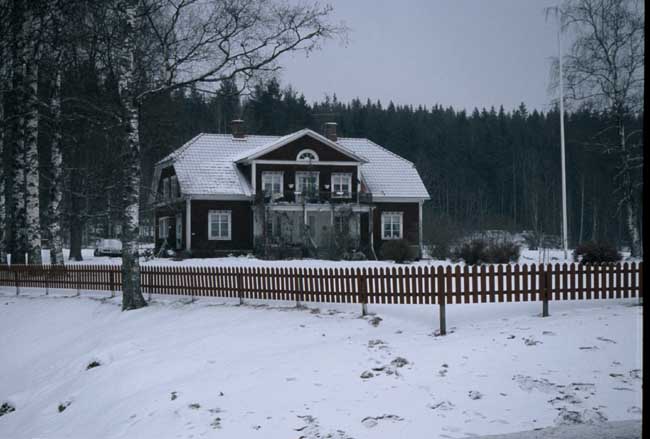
x,y
388,285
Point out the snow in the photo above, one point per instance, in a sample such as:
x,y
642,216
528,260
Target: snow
x,y
208,368
552,256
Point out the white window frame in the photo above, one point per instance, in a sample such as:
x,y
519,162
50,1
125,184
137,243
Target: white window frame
x,y
307,151
299,174
163,227
219,237
273,175
173,187
389,216
342,176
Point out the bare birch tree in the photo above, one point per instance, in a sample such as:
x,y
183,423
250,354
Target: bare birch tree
x,y
604,69
170,45
31,30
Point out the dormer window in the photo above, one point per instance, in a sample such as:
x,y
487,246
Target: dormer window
x,y
307,155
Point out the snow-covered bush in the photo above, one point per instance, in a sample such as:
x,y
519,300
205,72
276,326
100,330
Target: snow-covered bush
x,y
596,252
479,251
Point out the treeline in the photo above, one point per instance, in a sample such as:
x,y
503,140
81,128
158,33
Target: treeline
x,y
487,169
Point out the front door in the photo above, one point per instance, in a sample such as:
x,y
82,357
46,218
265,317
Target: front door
x,y
179,231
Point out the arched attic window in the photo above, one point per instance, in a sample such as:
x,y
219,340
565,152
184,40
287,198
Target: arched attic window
x,y
307,155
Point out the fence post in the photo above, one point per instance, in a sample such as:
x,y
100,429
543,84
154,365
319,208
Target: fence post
x,y
442,301
240,293
16,281
640,282
361,288
112,281
47,278
78,280
544,274
297,276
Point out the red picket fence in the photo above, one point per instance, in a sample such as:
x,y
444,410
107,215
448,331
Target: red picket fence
x,y
389,285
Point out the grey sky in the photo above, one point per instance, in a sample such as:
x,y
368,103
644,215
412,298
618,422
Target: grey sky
x,y
464,53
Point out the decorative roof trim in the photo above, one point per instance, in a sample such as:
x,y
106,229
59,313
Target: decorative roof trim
x,y
298,134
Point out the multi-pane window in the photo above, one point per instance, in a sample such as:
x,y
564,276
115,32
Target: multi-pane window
x,y
307,155
341,185
306,182
341,224
219,225
272,182
175,193
163,228
391,225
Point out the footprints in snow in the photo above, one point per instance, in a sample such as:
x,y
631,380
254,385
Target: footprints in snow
x,y
387,369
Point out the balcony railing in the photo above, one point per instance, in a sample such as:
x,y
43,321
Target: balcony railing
x,y
313,197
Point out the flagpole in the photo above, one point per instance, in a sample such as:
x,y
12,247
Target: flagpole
x,y
565,240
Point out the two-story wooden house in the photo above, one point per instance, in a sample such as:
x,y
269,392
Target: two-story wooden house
x,y
236,193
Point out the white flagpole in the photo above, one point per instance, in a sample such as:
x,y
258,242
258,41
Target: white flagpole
x,y
565,240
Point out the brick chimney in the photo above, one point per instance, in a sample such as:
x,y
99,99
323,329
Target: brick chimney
x,y
237,129
329,130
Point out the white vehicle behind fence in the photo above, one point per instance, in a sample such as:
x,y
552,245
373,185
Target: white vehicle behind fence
x,y
108,247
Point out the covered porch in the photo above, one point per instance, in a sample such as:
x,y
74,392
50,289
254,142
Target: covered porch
x,y
329,231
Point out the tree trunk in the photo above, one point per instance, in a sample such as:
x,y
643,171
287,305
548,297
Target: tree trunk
x,y
131,289
55,207
32,204
75,241
3,226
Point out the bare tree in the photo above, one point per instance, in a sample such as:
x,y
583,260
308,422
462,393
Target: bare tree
x,y
166,45
604,70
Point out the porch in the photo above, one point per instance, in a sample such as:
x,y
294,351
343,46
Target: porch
x,y
322,230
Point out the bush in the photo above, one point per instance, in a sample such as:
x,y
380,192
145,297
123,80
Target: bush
x,y
503,252
397,250
472,252
479,251
595,252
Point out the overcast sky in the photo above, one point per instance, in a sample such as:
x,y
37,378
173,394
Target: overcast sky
x,y
463,53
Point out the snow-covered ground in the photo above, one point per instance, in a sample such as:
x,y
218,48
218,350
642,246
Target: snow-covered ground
x,y
546,256
215,369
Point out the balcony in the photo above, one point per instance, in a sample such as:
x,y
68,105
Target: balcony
x,y
313,197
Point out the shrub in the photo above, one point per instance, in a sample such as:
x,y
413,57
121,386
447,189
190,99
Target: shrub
x,y
397,250
503,252
472,252
479,251
594,252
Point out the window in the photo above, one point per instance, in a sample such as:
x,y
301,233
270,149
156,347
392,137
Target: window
x,y
219,225
163,228
307,155
341,224
341,185
175,193
306,182
391,225
165,190
272,183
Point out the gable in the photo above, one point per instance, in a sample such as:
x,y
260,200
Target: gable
x,y
290,151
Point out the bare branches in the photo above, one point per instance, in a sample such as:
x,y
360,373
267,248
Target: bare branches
x,y
210,42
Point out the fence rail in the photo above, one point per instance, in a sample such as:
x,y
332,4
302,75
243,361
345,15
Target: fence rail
x,y
388,285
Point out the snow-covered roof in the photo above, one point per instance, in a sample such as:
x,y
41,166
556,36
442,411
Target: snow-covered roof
x,y
206,165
